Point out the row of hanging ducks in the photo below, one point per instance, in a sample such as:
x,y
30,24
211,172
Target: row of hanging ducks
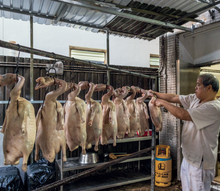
x,y
76,123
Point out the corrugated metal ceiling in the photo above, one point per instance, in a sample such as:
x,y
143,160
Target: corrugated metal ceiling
x,y
120,17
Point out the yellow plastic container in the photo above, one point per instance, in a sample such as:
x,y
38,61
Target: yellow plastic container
x,y
163,166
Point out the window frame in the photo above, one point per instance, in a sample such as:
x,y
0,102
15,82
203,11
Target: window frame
x,y
155,56
88,49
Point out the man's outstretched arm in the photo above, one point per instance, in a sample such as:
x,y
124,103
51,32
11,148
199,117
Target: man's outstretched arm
x,y
178,112
173,98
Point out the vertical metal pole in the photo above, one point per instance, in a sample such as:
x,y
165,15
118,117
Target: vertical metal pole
x,y
107,55
107,60
31,74
179,151
3,37
56,166
165,47
156,84
61,169
31,61
139,162
153,144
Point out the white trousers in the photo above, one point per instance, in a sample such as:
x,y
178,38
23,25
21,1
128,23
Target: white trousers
x,y
195,179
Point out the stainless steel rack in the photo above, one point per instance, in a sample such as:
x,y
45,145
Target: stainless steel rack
x,y
108,180
73,164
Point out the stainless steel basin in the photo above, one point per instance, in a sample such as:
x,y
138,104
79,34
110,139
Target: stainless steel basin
x,y
88,158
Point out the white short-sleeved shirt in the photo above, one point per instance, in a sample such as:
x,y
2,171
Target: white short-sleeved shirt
x,y
200,136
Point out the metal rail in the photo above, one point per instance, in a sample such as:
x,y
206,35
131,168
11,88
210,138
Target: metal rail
x,y
153,145
66,58
61,101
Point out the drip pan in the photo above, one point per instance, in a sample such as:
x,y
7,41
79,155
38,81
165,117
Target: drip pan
x,y
88,158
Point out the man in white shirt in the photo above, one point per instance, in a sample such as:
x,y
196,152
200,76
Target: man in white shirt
x,y
201,115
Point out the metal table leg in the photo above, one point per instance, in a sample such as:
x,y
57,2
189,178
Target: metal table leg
x,y
61,169
153,144
139,148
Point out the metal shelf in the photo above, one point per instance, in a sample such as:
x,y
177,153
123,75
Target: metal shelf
x,y
108,180
73,164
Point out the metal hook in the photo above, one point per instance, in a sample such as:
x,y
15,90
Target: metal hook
x,y
16,70
118,83
89,77
150,83
129,83
52,74
105,79
54,58
53,68
72,78
139,83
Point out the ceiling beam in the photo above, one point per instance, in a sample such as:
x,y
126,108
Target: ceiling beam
x,y
155,13
121,14
60,13
140,10
137,36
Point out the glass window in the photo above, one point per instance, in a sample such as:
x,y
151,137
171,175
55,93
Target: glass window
x,y
154,61
95,55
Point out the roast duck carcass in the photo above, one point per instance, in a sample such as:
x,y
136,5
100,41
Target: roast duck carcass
x,y
143,110
19,127
110,126
93,119
134,114
75,121
122,112
156,115
50,135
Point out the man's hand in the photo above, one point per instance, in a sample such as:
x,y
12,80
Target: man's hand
x,y
157,102
178,112
151,93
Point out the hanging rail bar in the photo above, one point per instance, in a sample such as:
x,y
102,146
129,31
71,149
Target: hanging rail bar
x,y
65,58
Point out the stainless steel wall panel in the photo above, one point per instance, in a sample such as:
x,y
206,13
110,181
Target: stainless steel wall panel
x,y
168,84
181,79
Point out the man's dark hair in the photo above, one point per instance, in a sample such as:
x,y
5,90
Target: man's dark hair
x,y
210,79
